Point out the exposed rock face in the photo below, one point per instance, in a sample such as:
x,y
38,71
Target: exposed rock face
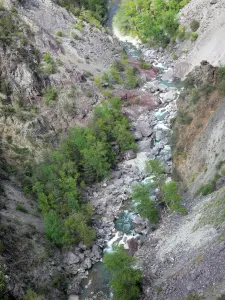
x,y
210,42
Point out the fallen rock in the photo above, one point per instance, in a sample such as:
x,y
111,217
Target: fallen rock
x,y
130,154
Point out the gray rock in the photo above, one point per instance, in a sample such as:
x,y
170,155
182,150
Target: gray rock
x,y
72,258
145,129
213,1
144,146
87,263
130,154
220,183
96,251
116,174
137,135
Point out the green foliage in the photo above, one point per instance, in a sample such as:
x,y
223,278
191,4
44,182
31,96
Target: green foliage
x,y
154,167
50,65
31,295
194,25
194,36
50,95
53,227
195,96
131,80
84,156
145,65
171,197
206,189
221,72
20,207
194,297
153,21
207,89
184,118
115,75
126,278
145,206
97,81
59,33
222,297
96,9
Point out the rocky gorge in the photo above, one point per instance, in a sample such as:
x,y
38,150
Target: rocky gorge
x,y
182,256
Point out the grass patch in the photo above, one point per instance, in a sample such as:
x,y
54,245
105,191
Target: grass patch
x,y
206,189
213,213
194,25
20,207
50,95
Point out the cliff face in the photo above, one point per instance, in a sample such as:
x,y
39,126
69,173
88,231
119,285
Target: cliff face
x,y
46,69
210,42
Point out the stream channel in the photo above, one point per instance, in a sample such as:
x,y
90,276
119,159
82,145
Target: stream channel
x,y
96,286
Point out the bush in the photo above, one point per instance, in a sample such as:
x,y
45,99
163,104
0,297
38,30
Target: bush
x,y
171,197
195,96
207,89
131,80
194,36
145,65
50,95
144,205
59,33
126,278
115,75
184,118
20,207
194,25
206,189
50,66
31,295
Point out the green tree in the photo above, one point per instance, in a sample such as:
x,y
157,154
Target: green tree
x,y
53,227
126,278
171,197
144,205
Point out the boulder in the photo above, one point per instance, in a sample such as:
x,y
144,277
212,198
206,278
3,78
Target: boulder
x,y
220,183
87,263
145,129
71,258
96,251
137,135
130,154
144,146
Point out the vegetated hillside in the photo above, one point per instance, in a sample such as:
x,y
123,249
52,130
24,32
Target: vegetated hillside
x,y
198,137
48,61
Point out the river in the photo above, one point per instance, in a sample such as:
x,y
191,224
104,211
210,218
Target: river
x,y
96,286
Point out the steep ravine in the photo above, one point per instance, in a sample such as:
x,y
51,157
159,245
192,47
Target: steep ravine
x,y
184,255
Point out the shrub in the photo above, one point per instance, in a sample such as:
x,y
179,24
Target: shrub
x,y
106,93
145,65
50,95
222,86
206,189
20,207
131,80
31,295
97,81
194,25
194,36
207,89
53,227
145,206
195,96
2,280
115,75
171,197
184,118
59,33
126,278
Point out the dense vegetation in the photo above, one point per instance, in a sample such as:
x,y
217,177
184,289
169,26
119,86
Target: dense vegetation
x,y
141,193
86,8
84,157
125,277
153,21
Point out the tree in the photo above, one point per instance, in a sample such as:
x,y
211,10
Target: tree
x,y
126,278
171,197
145,206
53,227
